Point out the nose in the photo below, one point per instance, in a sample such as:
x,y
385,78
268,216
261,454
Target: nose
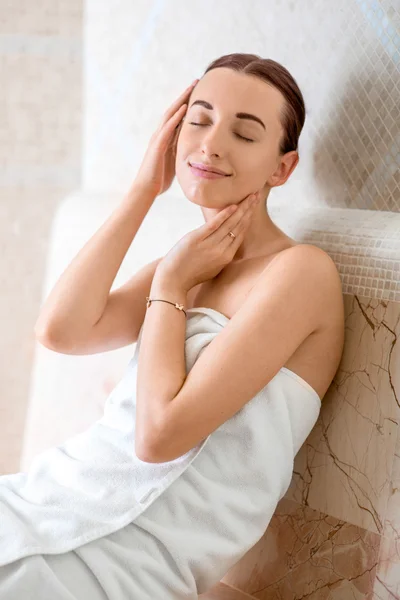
x,y
214,139
213,142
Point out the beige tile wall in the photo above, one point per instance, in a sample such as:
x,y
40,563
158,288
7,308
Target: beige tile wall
x,y
40,162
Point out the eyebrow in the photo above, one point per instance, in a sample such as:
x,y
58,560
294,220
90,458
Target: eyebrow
x,y
239,115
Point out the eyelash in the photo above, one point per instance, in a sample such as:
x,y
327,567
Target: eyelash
x,y
239,136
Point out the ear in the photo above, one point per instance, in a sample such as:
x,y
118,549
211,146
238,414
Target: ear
x,y
287,165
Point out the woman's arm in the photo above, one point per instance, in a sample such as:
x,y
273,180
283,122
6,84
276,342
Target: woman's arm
x,y
80,296
161,363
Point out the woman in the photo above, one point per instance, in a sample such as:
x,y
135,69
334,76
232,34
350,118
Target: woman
x,y
181,476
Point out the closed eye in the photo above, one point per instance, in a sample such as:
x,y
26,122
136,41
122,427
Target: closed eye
x,y
239,136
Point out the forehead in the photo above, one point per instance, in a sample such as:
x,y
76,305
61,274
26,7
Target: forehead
x,y
231,92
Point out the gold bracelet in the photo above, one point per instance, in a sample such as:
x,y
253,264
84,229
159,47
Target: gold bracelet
x,y
178,306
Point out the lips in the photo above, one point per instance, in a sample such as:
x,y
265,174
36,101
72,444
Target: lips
x,y
208,168
206,175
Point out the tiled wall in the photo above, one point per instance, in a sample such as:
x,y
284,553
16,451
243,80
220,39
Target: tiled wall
x,y
345,56
40,162
336,533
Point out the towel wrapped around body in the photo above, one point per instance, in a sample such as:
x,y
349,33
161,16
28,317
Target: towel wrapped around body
x,y
91,520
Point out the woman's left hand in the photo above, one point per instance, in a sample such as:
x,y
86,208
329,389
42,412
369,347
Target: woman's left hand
x,y
202,253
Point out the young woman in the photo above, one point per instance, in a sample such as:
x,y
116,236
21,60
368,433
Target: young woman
x,y
240,331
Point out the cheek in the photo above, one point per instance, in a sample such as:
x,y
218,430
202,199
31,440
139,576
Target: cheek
x,y
256,166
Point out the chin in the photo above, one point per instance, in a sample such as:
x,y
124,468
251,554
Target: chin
x,y
203,192
205,197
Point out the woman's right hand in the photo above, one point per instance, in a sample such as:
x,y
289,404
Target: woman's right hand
x,y
157,170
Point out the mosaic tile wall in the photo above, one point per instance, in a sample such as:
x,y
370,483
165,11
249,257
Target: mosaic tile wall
x,y
345,56
335,535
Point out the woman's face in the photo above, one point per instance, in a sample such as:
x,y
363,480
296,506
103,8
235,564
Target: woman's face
x,y
216,142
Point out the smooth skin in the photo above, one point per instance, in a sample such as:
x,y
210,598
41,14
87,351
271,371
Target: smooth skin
x,y
202,254
212,136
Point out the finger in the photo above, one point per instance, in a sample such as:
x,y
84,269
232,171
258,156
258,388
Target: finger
x,y
176,133
232,220
184,97
223,221
170,127
213,225
239,229
243,224
167,132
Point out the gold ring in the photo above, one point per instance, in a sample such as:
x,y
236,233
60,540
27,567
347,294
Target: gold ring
x,y
231,234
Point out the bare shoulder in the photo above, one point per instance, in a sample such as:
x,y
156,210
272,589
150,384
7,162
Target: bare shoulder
x,y
331,309
317,359
313,256
330,269
308,269
325,278
308,250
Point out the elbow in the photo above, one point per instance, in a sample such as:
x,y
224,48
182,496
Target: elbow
x,y
150,433
144,453
147,446
47,338
142,447
43,334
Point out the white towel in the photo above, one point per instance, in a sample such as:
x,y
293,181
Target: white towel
x,y
93,484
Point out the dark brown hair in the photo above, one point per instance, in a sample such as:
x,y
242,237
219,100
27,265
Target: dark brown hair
x,y
294,112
